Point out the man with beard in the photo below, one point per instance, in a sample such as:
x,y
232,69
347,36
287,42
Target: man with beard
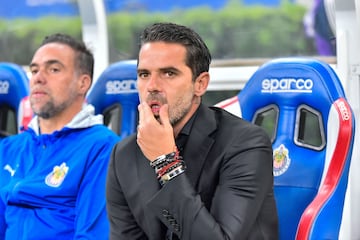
x,y
52,176
190,171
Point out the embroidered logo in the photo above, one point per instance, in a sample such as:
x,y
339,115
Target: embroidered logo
x,y
57,176
9,169
281,160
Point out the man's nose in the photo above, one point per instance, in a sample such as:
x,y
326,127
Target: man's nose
x,y
38,77
153,83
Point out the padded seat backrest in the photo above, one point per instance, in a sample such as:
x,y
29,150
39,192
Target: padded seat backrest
x,y
14,86
115,96
302,106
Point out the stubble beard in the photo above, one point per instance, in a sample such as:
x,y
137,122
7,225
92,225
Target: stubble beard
x,y
49,110
177,111
180,109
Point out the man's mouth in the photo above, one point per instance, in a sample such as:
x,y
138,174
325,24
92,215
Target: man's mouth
x,y
155,108
37,94
155,101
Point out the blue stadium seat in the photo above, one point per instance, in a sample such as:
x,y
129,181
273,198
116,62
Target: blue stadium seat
x,y
115,96
301,104
14,86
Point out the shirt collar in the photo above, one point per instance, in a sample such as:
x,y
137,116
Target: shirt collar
x,y
188,125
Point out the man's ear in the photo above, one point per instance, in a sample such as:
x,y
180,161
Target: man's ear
x,y
201,83
84,83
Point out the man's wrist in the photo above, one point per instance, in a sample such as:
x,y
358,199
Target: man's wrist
x,y
168,166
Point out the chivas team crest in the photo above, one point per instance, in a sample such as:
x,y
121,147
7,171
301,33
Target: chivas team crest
x,y
57,176
281,160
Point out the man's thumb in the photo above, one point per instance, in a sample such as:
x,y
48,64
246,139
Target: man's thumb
x,y
164,114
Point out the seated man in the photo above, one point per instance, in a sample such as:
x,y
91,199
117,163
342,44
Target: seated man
x,y
191,171
52,177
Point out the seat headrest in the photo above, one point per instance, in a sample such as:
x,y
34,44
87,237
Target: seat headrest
x,y
14,84
117,86
291,82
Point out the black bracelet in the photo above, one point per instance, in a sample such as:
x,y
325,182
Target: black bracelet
x,y
175,165
166,158
172,174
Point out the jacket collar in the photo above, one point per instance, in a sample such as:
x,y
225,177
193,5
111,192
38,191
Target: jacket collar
x,y
199,143
85,118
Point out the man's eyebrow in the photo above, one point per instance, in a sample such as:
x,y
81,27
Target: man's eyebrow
x,y
163,69
141,70
47,63
33,64
173,69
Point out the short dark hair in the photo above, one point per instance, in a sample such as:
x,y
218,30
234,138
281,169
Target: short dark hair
x,y
84,59
198,56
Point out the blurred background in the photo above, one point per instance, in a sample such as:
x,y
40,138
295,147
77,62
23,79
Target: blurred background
x,y
233,29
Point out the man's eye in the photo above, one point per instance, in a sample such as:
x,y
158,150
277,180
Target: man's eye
x,y
169,73
143,75
54,70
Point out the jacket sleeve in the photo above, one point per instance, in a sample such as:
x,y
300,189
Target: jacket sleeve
x,y
2,220
245,180
2,183
91,218
122,222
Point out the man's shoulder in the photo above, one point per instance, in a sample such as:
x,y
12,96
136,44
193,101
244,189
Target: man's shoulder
x,y
102,132
127,144
14,143
226,117
20,137
128,141
227,122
